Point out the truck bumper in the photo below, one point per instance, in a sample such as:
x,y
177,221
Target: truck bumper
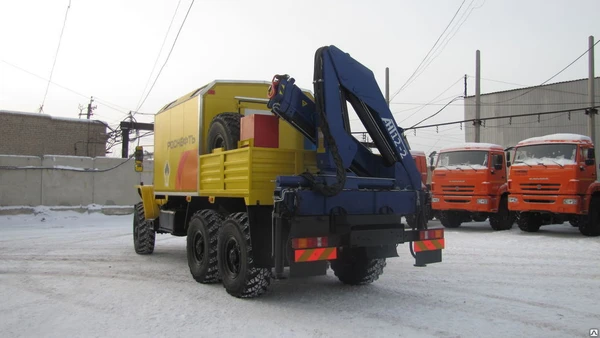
x,y
318,239
559,204
481,203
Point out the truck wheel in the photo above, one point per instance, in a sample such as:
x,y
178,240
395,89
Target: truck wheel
x,y
202,246
502,220
236,265
224,132
589,225
143,232
574,221
450,219
529,222
354,268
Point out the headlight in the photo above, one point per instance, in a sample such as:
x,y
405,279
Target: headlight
x,y
570,201
435,199
513,200
482,201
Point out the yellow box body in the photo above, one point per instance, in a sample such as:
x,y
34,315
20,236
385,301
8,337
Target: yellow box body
x,y
182,167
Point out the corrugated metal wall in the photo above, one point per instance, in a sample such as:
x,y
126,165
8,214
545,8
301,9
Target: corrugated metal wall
x,y
559,96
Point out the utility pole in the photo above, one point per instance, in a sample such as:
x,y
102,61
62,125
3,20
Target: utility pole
x,y
465,95
591,91
90,109
477,121
387,85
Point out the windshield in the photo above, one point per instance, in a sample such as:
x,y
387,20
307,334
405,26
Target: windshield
x,y
546,154
468,158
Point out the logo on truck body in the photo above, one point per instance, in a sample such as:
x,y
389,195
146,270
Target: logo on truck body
x,y
390,125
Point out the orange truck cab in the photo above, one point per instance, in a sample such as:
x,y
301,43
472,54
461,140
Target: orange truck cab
x,y
553,180
421,162
470,184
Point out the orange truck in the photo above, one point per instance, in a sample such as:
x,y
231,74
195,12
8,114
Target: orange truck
x,y
421,162
553,180
470,184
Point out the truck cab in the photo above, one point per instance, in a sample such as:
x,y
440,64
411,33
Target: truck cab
x,y
553,180
470,184
421,162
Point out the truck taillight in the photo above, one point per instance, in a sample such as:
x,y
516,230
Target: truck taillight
x,y
431,234
311,242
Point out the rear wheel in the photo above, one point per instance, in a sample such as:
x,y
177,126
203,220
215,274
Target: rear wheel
x,y
589,225
224,132
143,232
354,268
450,219
529,222
202,246
502,220
236,264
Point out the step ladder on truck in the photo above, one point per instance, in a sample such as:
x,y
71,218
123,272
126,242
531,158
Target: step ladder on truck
x,y
262,176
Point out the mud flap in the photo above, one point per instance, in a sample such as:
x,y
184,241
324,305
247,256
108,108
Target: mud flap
x,y
423,258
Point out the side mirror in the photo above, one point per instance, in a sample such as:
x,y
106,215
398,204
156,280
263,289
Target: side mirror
x,y
508,164
507,157
591,155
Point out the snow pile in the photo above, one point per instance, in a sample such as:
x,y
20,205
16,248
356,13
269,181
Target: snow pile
x,y
565,137
417,152
472,145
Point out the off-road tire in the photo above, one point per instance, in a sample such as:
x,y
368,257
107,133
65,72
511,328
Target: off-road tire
x,y
143,231
529,222
502,220
354,268
450,219
224,131
589,225
202,235
249,281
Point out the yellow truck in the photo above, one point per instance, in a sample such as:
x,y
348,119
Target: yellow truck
x,y
203,171
259,176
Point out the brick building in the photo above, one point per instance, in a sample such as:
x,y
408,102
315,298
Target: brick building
x,y
41,134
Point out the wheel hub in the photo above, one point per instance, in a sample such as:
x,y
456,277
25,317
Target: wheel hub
x,y
233,257
199,247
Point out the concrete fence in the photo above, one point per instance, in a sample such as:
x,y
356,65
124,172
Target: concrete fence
x,y
54,181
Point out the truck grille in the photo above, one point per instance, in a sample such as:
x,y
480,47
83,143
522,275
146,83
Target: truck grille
x,y
458,188
540,186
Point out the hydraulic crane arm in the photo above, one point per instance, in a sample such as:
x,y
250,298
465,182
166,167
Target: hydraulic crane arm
x,y
339,79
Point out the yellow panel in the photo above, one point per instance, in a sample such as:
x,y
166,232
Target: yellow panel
x,y
181,128
250,172
175,146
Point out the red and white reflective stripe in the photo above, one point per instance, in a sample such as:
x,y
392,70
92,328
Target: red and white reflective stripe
x,y
431,234
310,242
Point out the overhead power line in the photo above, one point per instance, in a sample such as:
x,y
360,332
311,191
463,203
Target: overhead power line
x,y
583,109
101,101
159,52
433,100
167,59
55,57
430,50
552,77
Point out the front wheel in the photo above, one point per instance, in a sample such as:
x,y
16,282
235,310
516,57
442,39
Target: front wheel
x,y
236,264
450,219
529,222
502,220
589,225
143,232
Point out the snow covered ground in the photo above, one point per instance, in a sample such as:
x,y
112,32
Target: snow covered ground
x,y
65,274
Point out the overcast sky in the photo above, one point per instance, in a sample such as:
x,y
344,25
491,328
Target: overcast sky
x,y
109,48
